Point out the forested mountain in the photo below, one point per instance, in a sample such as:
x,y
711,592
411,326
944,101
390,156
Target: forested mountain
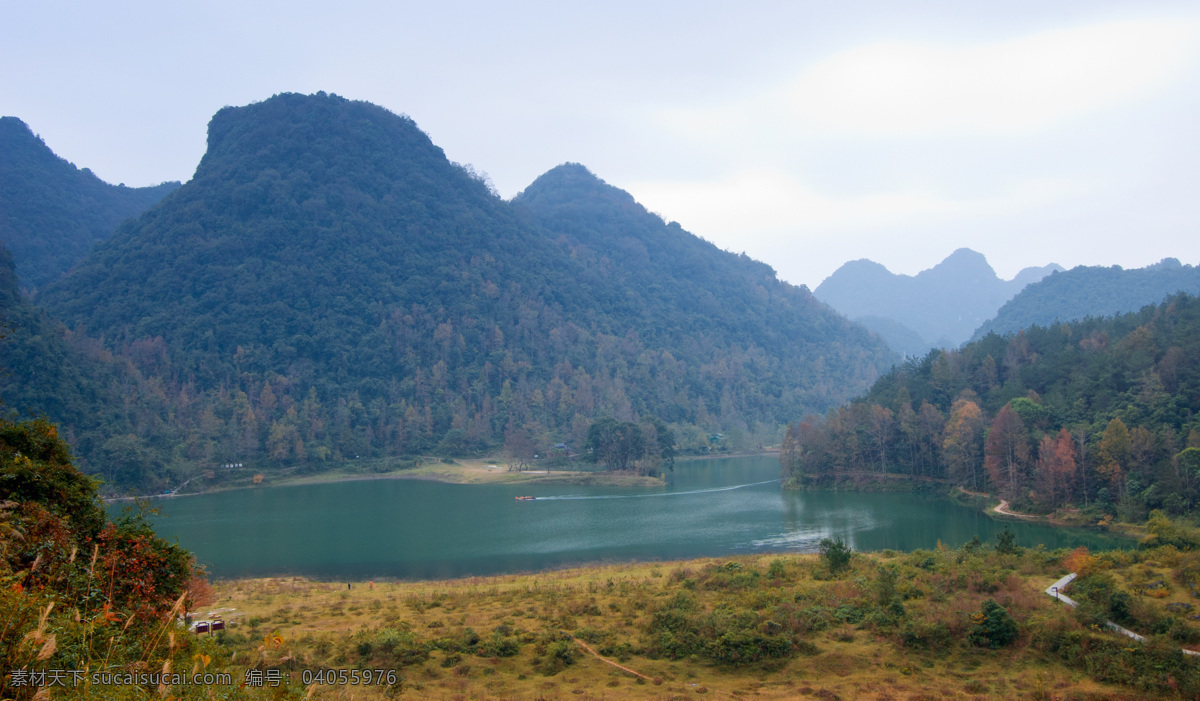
x,y
1100,412
46,369
685,295
1091,291
330,285
939,307
52,213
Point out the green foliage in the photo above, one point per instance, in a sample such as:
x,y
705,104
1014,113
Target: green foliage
x,y
329,285
391,648
35,468
836,554
498,646
922,635
616,444
47,371
82,592
1155,668
1164,531
557,651
1006,542
994,627
725,636
885,587
1095,413
51,212
1084,292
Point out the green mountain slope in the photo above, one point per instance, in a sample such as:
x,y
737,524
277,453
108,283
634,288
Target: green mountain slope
x,y
1102,413
939,307
1091,291
52,213
117,421
700,303
329,284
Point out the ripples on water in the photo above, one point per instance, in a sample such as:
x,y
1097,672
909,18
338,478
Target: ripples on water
x,y
419,529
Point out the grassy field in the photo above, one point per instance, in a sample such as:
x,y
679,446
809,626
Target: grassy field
x,y
920,625
484,471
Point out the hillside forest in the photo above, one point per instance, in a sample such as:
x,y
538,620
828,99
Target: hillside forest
x,y
329,287
1084,291
52,213
1093,419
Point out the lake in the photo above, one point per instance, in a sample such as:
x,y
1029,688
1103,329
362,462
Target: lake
x,y
416,529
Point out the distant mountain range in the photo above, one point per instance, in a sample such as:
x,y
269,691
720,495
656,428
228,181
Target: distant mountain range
x,y
938,307
1084,292
329,285
52,213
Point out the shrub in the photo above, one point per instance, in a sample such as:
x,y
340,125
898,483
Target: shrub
x,y
1006,542
994,628
498,646
558,653
741,647
836,554
920,635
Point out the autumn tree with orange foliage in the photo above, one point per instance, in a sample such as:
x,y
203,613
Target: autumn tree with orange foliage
x,y
1056,469
1007,452
1081,562
79,590
961,440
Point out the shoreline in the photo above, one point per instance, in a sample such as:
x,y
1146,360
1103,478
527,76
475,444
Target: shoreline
x,y
461,471
993,506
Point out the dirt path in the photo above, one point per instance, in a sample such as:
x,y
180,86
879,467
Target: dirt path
x,y
634,672
604,659
1003,510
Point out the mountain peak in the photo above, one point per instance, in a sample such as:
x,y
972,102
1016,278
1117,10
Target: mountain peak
x,y
963,264
942,304
571,182
14,128
329,248
321,134
52,212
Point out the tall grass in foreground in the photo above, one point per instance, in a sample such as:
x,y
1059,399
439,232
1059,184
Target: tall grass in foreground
x,y
970,622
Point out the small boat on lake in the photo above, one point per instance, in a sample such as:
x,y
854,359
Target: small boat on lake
x,y
526,498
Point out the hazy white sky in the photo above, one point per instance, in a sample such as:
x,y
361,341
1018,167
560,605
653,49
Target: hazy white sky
x,y
803,133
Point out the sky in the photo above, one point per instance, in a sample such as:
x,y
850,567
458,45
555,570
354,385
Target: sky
x,y
805,134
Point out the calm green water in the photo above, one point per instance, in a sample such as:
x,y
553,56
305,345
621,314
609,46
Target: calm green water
x,y
417,529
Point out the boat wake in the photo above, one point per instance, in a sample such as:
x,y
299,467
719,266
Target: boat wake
x,y
580,497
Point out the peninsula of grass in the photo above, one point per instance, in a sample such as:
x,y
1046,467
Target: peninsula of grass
x,y
448,470
477,471
973,622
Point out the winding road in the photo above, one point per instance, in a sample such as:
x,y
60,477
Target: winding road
x,y
1055,590
1003,510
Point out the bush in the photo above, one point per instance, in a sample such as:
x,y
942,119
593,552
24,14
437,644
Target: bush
x,y
994,628
393,647
558,651
499,646
836,554
919,635
741,647
1006,542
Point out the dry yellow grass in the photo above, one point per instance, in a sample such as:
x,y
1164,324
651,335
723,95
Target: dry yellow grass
x,y
477,471
324,624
